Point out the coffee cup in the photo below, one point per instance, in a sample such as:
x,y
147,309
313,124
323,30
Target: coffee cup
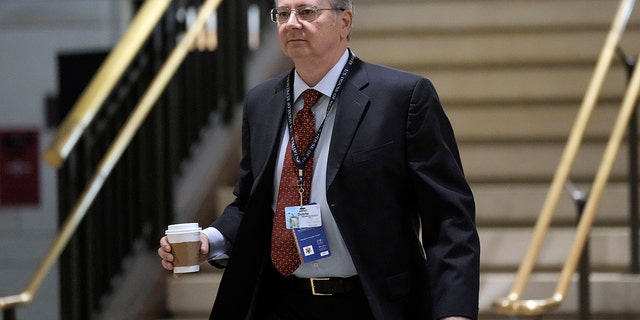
x,y
185,246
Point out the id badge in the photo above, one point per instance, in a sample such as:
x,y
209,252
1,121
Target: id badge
x,y
307,216
306,221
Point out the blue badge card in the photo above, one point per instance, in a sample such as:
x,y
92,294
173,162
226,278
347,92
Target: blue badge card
x,y
313,243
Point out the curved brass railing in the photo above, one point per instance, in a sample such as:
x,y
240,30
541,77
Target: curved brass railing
x,y
104,80
117,148
512,304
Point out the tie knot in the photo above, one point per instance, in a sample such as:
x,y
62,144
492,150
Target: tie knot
x,y
310,97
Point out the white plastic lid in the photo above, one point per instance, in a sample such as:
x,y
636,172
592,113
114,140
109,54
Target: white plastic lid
x,y
182,228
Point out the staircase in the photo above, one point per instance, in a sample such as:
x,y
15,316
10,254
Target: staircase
x,y
511,75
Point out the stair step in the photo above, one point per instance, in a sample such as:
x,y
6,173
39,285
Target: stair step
x,y
504,248
542,121
508,84
445,16
519,204
192,295
535,161
524,48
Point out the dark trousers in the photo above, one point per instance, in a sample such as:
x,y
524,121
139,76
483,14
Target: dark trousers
x,y
281,298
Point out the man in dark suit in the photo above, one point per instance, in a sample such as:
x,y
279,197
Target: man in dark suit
x,y
387,191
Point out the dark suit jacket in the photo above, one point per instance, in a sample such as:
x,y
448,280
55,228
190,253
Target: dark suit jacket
x,y
393,163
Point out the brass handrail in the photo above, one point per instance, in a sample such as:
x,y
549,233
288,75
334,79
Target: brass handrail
x,y
512,304
113,155
102,83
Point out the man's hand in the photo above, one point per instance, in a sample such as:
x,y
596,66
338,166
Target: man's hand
x,y
167,258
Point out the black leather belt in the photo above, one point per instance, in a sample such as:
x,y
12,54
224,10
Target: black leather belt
x,y
327,286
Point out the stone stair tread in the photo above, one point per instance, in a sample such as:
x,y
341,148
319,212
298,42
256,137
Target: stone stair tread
x,y
192,294
521,48
504,248
466,85
519,204
432,16
527,122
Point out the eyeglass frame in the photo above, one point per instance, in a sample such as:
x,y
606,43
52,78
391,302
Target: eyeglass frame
x,y
274,13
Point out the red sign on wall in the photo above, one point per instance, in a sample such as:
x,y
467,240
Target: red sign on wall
x,y
19,168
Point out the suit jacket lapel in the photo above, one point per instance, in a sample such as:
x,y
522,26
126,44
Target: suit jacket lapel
x,y
272,130
352,105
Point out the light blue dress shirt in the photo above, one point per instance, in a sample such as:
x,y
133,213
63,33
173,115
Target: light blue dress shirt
x,y
339,263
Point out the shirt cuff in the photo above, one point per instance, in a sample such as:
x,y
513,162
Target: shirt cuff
x,y
218,246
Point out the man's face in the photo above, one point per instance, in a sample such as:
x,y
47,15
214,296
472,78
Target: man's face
x,y
301,39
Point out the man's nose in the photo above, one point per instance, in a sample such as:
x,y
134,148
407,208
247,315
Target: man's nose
x,y
291,16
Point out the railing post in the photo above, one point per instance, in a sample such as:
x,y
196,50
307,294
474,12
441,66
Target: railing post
x,y
634,202
634,266
584,268
9,314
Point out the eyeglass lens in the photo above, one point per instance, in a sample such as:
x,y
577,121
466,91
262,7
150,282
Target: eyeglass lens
x,y
303,13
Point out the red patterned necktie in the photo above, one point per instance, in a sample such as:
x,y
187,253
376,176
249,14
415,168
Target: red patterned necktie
x,y
284,249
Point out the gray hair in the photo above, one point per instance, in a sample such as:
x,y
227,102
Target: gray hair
x,y
338,4
342,4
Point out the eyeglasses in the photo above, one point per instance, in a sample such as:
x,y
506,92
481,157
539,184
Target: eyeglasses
x,y
305,13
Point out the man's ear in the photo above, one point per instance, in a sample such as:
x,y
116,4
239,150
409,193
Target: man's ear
x,y
346,18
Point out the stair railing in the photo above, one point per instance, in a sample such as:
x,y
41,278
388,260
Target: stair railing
x,y
512,304
84,111
105,79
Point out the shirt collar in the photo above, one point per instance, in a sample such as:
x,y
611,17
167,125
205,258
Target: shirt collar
x,y
328,82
